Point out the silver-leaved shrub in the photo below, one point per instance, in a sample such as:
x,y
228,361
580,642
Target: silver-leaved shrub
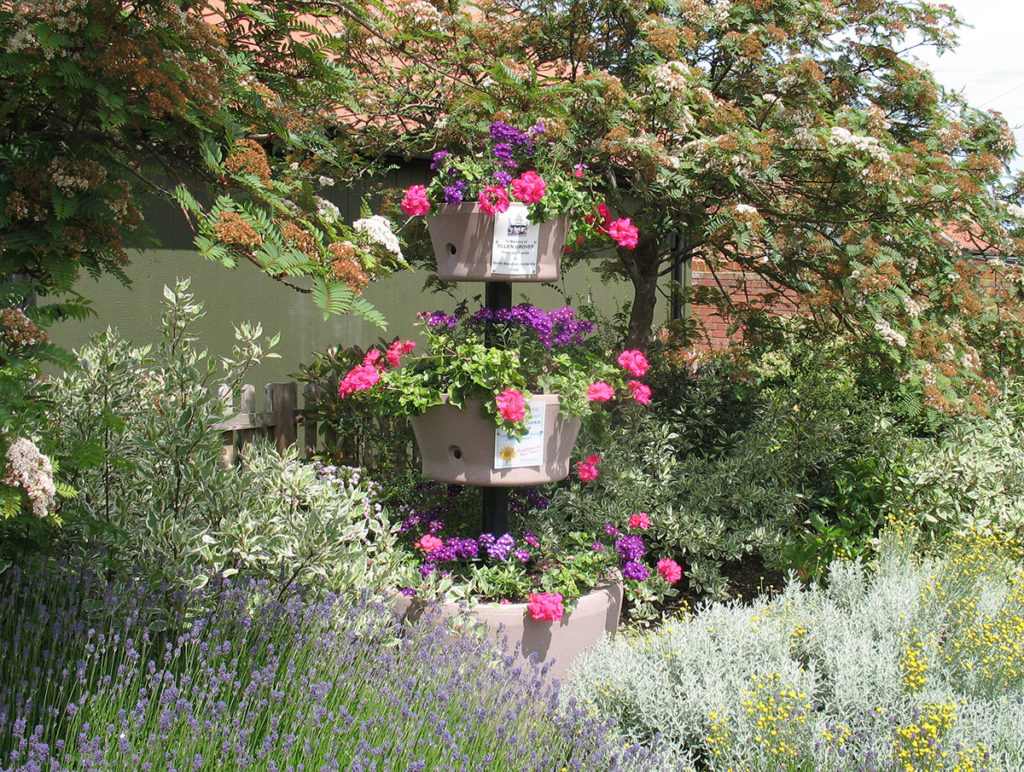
x,y
911,663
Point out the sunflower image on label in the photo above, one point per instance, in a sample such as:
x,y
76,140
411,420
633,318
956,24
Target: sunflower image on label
x,y
528,450
515,245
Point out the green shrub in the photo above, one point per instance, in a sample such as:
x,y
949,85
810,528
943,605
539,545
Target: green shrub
x,y
914,663
726,469
135,426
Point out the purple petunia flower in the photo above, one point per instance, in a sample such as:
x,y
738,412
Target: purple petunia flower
x,y
633,570
438,319
521,555
630,547
611,530
501,547
502,177
439,156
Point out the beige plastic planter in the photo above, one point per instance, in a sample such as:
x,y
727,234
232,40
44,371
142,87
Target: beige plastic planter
x,y
555,643
458,446
462,237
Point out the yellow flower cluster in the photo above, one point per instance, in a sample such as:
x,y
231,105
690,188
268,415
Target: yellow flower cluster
x,y
986,642
778,713
913,663
918,746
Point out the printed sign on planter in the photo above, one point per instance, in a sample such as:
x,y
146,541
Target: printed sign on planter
x,y
515,245
528,450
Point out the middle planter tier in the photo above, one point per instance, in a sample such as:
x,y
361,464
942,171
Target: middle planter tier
x,y
472,246
462,446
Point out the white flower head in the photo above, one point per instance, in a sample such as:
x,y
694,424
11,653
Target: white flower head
x,y
890,335
31,471
378,230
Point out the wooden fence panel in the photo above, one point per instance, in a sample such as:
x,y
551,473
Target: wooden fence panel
x,y
279,421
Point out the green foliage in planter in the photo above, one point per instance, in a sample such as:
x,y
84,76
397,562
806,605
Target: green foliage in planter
x,y
135,426
914,661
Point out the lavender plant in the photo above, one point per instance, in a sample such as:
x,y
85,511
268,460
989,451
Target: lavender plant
x,y
260,682
913,663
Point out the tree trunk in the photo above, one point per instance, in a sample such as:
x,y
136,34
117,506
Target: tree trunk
x,y
642,264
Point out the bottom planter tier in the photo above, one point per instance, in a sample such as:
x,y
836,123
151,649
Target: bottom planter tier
x,y
556,644
460,446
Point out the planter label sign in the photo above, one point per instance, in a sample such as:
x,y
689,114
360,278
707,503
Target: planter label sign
x,y
516,240
528,450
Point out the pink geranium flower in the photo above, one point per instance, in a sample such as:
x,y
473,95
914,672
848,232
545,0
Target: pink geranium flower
x,y
641,392
640,520
511,405
429,543
624,233
398,349
359,378
588,468
545,606
415,201
634,361
600,392
669,570
529,187
493,200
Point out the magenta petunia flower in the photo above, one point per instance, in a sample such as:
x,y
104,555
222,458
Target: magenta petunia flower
x,y
511,405
493,200
398,349
429,543
588,468
669,570
624,233
600,392
634,361
529,187
415,201
641,392
545,606
359,378
640,520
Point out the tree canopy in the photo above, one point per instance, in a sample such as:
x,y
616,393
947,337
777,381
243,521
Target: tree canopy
x,y
227,108
795,140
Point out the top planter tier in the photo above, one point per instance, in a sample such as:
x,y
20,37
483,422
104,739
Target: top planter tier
x,y
472,246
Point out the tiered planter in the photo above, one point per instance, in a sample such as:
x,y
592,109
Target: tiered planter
x,y
462,446
557,644
463,241
458,446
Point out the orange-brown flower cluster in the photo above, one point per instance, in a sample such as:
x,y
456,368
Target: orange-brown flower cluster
x,y
301,239
248,157
346,266
878,278
233,229
18,331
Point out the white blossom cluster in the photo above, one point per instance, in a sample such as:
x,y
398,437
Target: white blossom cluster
x,y
378,230
913,307
31,471
860,142
326,210
890,335
744,211
671,76
422,13
1015,210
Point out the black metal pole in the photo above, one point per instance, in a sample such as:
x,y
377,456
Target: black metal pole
x,y
494,504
